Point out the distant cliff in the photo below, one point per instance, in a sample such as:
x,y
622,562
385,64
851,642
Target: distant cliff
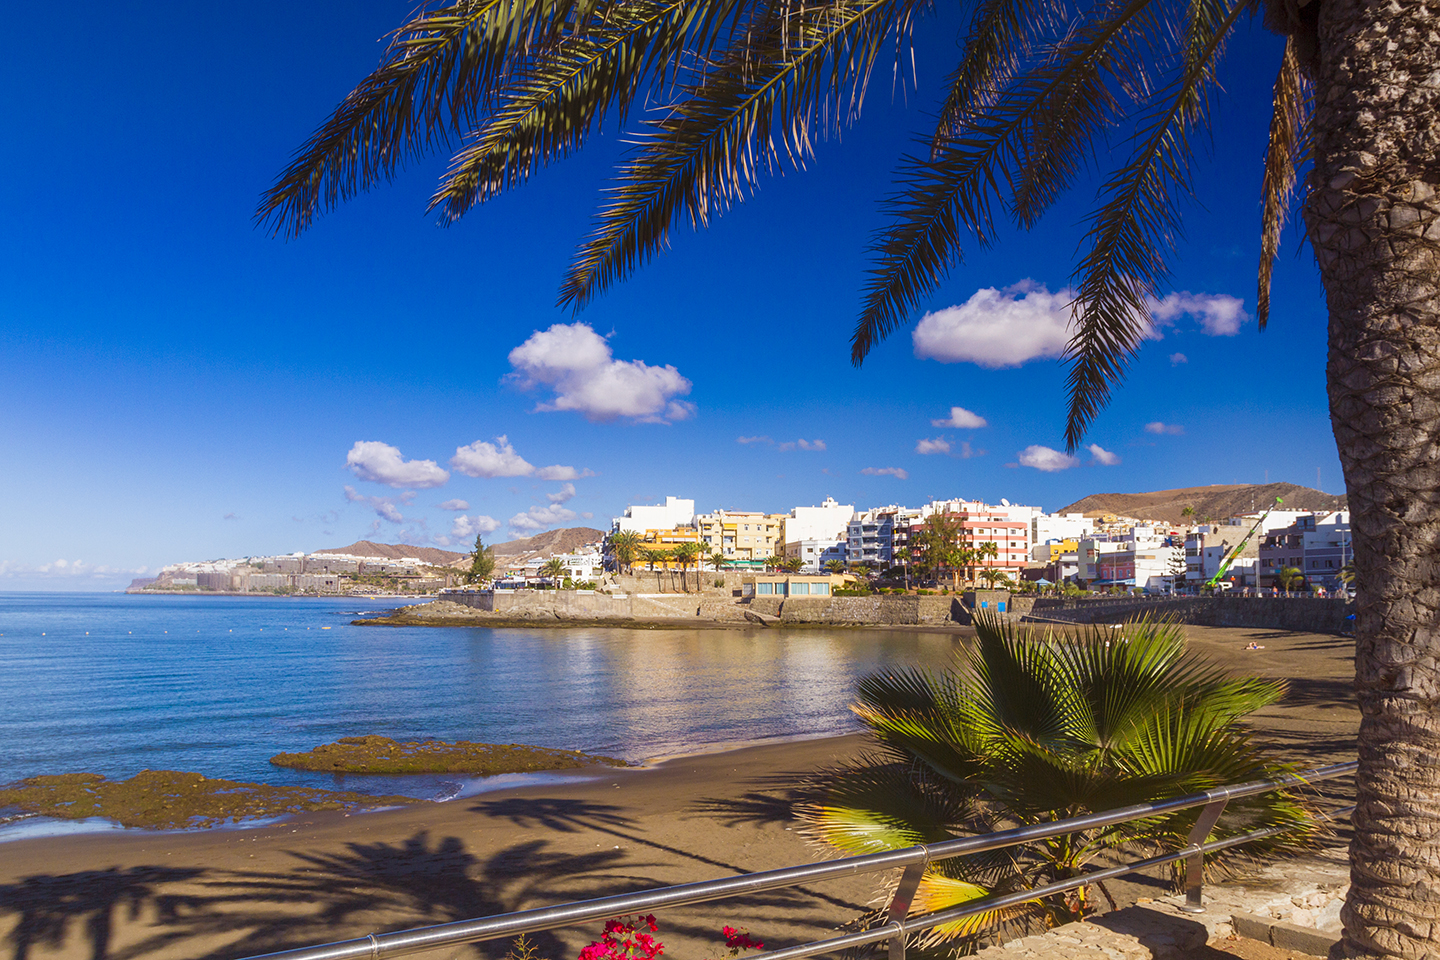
x,y
1218,501
394,551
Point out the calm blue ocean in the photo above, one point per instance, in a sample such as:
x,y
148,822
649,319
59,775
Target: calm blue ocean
x,y
113,684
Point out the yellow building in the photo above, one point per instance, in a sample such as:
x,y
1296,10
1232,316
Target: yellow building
x,y
1064,546
741,536
665,541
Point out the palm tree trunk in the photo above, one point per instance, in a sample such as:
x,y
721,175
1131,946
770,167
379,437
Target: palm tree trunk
x,y
1374,221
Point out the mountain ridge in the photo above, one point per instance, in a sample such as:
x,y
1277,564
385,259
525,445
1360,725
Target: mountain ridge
x,y
1217,500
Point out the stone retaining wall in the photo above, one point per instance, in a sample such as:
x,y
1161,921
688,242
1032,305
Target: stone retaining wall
x,y
1267,613
1271,613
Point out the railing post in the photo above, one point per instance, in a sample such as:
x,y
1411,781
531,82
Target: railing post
x,y
900,903
1195,863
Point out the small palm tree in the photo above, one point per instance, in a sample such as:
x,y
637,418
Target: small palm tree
x,y
791,564
1289,578
553,570
992,576
718,561
835,566
1347,575
625,546
686,554
651,557
1029,728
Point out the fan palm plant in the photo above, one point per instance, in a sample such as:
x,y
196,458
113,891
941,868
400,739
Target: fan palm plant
x,y
1025,729
1039,91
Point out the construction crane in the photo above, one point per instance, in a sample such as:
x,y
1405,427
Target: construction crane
x,y
1229,558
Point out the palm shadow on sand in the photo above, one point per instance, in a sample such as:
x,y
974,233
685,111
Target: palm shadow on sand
x,y
50,907
371,887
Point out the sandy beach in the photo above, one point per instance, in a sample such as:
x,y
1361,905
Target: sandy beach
x,y
320,877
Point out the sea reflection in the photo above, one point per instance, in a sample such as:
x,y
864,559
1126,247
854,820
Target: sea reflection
x,y
115,684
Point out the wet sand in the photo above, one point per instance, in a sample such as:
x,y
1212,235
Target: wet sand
x,y
321,877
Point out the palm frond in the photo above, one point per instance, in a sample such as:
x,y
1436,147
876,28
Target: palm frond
x,y
801,73
880,805
434,79
552,103
1288,147
999,38
1130,234
954,189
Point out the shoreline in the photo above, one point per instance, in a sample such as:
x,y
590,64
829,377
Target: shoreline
x,y
726,809
513,781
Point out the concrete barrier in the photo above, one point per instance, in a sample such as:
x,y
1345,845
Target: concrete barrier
x,y
1267,613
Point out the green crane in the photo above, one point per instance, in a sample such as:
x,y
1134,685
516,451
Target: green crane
x,y
1229,558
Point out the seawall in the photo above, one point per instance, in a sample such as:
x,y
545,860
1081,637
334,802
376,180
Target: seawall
x,y
1306,614
587,605
583,606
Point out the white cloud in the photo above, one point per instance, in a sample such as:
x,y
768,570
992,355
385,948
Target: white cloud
x,y
382,463
1178,358
966,452
468,528
384,507
498,459
998,328
749,440
456,505
1046,459
1164,429
961,419
576,363
1220,314
1011,326
66,570
1102,456
898,473
938,445
538,518
566,492
557,472
817,445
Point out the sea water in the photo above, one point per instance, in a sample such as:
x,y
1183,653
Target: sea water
x,y
115,683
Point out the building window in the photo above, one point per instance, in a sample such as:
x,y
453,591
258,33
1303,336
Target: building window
x,y
765,589
799,589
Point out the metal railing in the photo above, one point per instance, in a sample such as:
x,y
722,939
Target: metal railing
x,y
897,927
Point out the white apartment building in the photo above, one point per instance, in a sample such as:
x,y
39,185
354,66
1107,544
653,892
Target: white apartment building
x,y
638,518
826,522
1061,526
578,566
872,535
814,554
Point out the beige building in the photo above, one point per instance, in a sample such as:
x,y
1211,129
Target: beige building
x,y
741,536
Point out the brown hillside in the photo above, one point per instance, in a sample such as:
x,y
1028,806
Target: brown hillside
x,y
564,540
1218,501
394,551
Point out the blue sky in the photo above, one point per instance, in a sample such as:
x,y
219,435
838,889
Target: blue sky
x,y
180,385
